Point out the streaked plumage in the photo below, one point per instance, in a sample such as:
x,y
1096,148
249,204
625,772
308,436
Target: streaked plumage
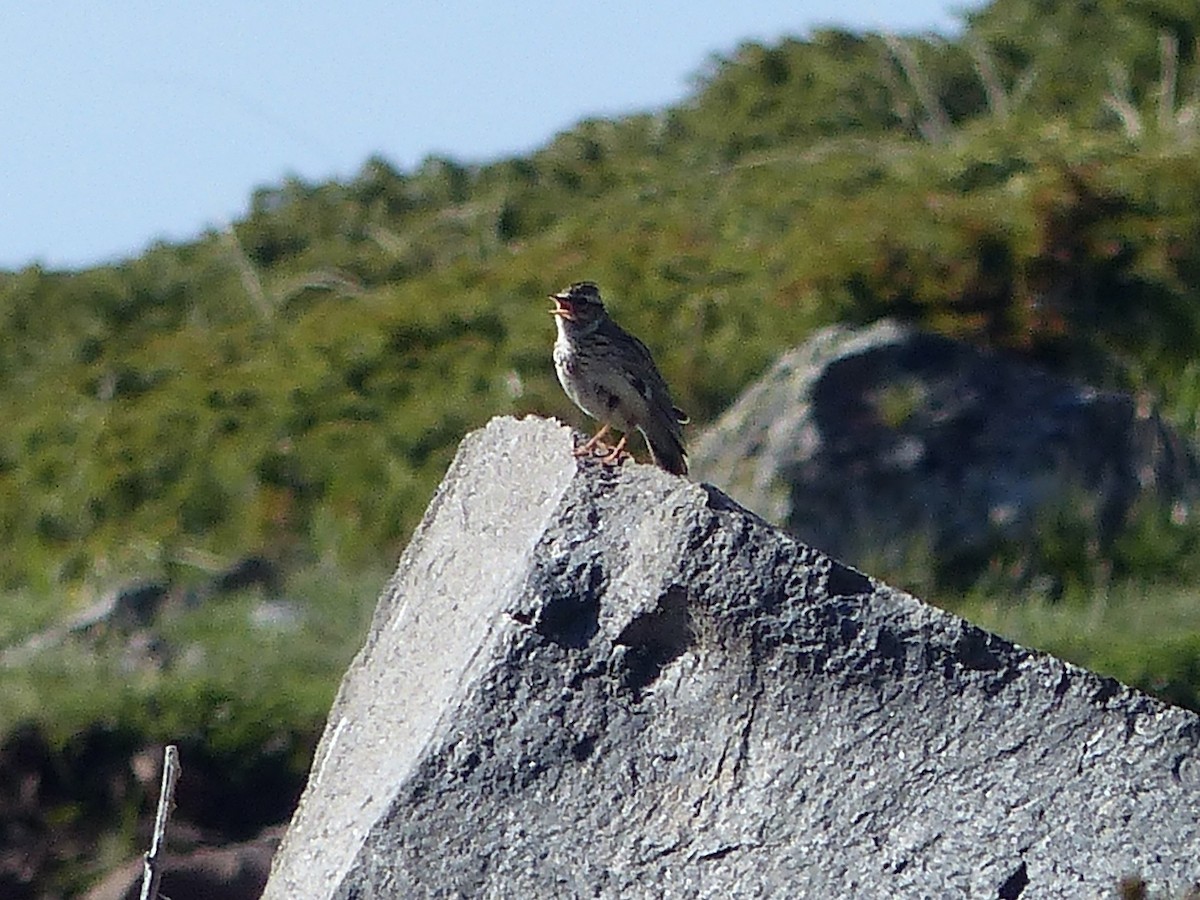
x,y
610,375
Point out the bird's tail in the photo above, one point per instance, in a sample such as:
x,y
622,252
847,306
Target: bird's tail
x,y
666,446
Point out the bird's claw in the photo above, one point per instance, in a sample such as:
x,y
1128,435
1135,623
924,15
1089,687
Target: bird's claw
x,y
610,455
616,456
599,448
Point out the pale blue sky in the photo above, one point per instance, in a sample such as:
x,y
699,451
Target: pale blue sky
x,y
126,122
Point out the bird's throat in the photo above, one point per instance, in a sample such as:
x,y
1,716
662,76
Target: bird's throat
x,y
574,329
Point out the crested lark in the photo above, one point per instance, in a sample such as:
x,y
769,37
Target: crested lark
x,y
610,375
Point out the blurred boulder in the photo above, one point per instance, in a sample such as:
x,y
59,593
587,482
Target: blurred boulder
x,y
862,441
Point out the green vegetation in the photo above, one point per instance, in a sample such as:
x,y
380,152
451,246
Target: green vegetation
x,y
1141,633
230,673
296,385
241,684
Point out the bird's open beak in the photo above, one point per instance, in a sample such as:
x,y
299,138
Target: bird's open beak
x,y
562,307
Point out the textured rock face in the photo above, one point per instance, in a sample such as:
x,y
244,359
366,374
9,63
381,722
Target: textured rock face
x,y
594,682
857,441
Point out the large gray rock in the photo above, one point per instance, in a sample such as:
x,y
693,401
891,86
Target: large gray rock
x,y
879,442
593,682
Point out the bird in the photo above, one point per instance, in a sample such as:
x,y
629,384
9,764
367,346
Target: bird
x,y
610,375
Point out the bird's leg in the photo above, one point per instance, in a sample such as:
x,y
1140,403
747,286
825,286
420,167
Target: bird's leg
x,y
593,442
618,453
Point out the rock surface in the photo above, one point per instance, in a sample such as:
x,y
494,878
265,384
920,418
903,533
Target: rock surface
x,y
593,682
859,441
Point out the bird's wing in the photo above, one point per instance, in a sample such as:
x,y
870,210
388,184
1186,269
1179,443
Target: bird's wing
x,y
648,382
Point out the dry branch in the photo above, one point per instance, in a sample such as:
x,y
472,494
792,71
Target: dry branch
x,y
152,872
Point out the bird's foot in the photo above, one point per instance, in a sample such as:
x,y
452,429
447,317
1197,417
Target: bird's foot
x,y
616,456
593,448
594,443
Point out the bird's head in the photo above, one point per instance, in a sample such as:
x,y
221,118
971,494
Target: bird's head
x,y
580,303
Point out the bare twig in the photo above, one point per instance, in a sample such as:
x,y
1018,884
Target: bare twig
x,y
937,124
997,97
1001,101
1187,112
320,280
900,103
1120,100
251,283
152,872
1175,115
1168,53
